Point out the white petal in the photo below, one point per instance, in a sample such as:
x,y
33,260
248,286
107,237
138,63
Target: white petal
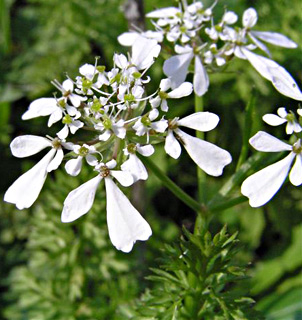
x,y
263,185
144,51
74,166
68,85
184,90
87,70
56,161
230,17
282,112
201,79
120,60
125,224
176,68
270,70
260,63
265,142
63,133
273,120
105,136
80,200
295,175
76,99
164,106
146,151
285,83
26,189
172,146
275,38
75,126
25,146
91,160
259,44
127,38
206,155
160,126
123,177
249,18
201,121
165,84
153,114
111,164
169,12
40,107
155,102
135,167
55,117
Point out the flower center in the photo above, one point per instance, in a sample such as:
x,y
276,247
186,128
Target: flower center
x,y
297,147
163,95
56,143
83,151
104,171
146,121
67,119
131,148
172,123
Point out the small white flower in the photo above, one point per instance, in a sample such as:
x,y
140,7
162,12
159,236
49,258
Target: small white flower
x,y
74,166
176,68
206,155
134,165
125,224
185,89
283,117
26,189
109,126
264,184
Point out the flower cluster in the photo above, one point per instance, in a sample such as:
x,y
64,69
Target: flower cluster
x,y
121,122
264,184
211,45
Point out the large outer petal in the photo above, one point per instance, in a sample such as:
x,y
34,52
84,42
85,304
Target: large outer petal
x,y
176,68
265,142
40,107
125,224
263,185
125,178
56,161
270,70
26,189
206,155
144,51
295,175
275,38
169,12
201,121
201,79
80,200
25,146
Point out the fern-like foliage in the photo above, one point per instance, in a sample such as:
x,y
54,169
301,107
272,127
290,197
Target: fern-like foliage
x,y
198,279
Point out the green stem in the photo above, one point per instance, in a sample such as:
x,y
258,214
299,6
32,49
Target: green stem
x,y
201,176
248,122
174,188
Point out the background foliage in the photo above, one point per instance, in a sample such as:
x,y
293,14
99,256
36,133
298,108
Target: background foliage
x,y
55,271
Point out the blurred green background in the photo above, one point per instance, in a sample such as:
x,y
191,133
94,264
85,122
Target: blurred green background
x,y
50,270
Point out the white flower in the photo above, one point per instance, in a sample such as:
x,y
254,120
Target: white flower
x,y
134,165
125,224
26,189
70,124
176,68
146,123
185,89
264,184
283,117
109,126
206,155
74,166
